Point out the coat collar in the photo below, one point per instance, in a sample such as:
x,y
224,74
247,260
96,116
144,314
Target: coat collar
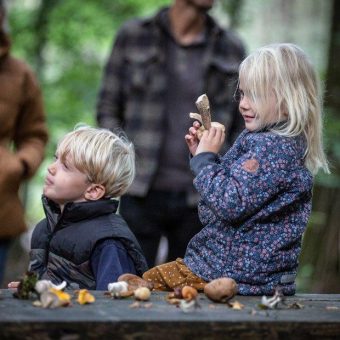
x,y
75,212
162,19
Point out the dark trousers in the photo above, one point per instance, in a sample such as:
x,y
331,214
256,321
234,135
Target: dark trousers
x,y
159,214
4,248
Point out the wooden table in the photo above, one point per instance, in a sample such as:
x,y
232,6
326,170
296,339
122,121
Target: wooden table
x,y
117,319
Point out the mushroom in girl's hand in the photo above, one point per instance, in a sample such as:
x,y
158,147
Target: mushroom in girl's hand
x,y
198,117
203,107
204,116
221,290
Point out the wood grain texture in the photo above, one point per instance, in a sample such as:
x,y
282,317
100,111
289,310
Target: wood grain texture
x,y
115,318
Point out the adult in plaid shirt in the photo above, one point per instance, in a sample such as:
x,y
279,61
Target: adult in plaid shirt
x,y
157,69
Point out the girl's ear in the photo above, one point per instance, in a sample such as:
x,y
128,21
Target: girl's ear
x,y
94,192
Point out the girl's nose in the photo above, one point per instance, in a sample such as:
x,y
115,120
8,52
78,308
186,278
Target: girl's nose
x,y
244,103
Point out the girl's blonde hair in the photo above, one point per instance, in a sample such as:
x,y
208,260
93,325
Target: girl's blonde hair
x,y
105,157
284,70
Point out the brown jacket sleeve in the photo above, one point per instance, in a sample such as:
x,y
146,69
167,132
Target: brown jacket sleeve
x,y
31,132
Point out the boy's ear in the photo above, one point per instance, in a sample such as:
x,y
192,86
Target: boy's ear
x,y
94,192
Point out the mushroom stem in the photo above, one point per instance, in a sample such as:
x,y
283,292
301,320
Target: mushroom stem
x,y
203,107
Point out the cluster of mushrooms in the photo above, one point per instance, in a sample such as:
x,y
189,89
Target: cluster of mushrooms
x,y
127,285
219,290
130,285
49,295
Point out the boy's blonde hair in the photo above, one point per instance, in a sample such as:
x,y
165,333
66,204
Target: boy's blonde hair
x,y
106,158
284,70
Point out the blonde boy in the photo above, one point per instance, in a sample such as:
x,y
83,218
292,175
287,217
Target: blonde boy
x,y
82,240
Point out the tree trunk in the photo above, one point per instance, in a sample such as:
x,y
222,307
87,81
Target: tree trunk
x,y
322,240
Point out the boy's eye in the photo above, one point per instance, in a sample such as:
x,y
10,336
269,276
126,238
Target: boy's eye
x,y
65,165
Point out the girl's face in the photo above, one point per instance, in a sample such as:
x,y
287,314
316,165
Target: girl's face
x,y
65,183
254,119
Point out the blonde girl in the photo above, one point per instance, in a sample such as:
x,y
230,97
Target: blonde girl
x,y
255,200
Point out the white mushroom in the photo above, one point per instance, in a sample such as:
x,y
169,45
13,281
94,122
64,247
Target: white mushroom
x,y
44,285
117,288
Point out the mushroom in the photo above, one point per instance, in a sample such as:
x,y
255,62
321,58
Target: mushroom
x,y
44,285
84,297
189,293
198,117
221,290
204,115
134,281
53,298
142,293
117,289
188,306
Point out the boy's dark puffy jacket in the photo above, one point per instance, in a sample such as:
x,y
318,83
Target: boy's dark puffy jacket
x,y
62,244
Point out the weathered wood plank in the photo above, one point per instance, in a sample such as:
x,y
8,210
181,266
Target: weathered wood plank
x,y
319,319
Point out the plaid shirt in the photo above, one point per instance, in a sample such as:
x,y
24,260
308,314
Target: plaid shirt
x,y
132,92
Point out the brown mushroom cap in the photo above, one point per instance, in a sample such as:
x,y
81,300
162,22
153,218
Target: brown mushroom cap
x,y
134,281
189,293
221,290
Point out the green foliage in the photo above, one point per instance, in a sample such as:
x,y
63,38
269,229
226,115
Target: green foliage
x,y
67,44
26,286
79,35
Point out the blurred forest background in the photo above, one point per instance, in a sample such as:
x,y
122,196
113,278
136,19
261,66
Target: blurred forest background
x,y
68,42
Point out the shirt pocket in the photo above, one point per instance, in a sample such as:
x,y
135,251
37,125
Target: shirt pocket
x,y
139,67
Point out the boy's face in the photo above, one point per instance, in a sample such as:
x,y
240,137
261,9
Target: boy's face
x,y
201,4
65,183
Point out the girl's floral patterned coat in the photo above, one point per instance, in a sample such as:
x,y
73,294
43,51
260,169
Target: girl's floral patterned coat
x,y
255,204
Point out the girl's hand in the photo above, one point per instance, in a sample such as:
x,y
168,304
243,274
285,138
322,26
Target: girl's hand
x,y
211,140
192,139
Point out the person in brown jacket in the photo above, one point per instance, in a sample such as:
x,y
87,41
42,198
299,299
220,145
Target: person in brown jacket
x,y
23,136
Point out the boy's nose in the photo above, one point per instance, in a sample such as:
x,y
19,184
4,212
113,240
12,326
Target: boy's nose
x,y
51,168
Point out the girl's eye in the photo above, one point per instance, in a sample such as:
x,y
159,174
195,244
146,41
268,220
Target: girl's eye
x,y
238,95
